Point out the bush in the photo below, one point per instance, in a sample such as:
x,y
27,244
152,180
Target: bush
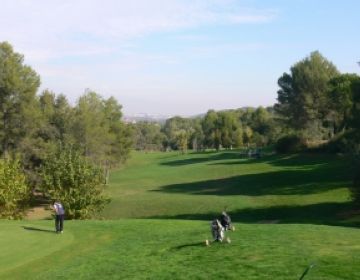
x,y
355,190
69,177
14,193
290,144
347,142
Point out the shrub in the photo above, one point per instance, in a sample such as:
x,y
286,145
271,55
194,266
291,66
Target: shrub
x,y
14,193
290,144
69,177
355,190
347,142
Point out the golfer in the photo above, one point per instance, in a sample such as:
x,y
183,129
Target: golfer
x,y
59,216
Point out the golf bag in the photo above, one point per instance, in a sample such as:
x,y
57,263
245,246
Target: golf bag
x,y
217,230
225,221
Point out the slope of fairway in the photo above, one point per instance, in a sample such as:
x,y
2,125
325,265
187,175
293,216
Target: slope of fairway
x,y
159,249
286,189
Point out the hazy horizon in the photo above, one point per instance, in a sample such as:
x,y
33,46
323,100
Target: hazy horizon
x,y
177,57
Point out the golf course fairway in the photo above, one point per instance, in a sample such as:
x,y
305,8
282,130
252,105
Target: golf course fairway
x,y
290,212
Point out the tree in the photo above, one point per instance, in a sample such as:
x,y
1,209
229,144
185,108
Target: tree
x,y
302,97
148,136
120,134
18,87
90,128
182,140
210,126
14,192
355,119
77,183
197,137
98,130
228,124
63,119
341,102
247,135
178,130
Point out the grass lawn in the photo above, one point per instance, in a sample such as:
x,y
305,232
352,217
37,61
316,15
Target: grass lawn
x,y
174,249
290,189
289,212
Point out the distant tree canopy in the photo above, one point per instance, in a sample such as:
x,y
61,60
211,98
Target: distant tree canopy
x,y
148,136
223,129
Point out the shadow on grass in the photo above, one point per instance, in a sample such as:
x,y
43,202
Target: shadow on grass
x,y
214,156
38,229
331,213
285,182
195,244
277,160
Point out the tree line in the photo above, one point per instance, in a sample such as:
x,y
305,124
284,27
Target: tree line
x,y
215,130
317,106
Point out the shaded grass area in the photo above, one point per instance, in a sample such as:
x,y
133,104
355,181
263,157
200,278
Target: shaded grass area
x,y
286,182
337,214
159,249
308,188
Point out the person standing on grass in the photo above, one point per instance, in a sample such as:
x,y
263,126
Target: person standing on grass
x,y
59,216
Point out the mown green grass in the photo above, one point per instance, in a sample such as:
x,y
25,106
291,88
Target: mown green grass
x,y
289,211
289,189
173,249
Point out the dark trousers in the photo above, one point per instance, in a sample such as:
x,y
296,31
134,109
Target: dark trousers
x,y
59,222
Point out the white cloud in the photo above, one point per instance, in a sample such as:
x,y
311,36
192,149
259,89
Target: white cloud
x,y
74,44
44,29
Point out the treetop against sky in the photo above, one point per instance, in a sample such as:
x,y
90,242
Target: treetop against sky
x,y
178,57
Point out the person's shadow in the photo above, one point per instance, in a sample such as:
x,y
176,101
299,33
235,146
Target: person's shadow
x,y
195,244
38,229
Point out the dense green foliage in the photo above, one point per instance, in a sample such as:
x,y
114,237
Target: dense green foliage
x,y
70,178
290,144
18,86
215,130
303,95
13,189
148,136
355,190
32,126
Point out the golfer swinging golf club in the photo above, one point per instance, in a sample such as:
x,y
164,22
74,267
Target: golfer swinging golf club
x,y
59,216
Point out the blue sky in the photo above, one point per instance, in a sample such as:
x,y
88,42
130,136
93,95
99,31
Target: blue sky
x,y
178,57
